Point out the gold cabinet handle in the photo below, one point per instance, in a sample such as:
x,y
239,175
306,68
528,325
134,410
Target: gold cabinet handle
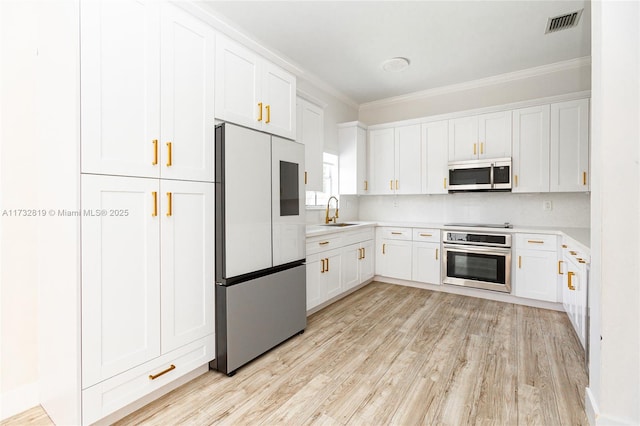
x,y
155,203
474,148
323,243
259,111
570,279
323,270
437,250
445,183
169,154
169,204
397,187
155,152
396,233
520,262
327,264
573,253
364,252
582,261
515,179
560,262
305,178
426,235
481,147
584,178
535,242
564,246
383,247
391,184
155,376
366,185
268,108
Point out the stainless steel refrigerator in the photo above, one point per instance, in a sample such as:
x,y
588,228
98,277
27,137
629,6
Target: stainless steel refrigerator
x,y
260,244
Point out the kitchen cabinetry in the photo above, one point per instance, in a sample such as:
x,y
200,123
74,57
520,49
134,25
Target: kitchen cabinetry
x,y
337,262
394,252
252,91
352,141
310,129
147,284
569,141
426,256
435,138
480,136
536,267
531,149
575,278
147,95
395,164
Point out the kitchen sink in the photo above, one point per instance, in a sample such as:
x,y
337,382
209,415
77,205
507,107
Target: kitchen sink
x,y
339,224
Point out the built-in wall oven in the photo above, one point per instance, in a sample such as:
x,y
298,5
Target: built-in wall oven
x,y
477,259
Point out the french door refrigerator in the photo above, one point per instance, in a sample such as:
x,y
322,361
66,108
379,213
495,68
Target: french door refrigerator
x,y
260,244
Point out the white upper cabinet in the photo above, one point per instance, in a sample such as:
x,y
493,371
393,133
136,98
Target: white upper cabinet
x,y
480,136
531,149
187,101
253,92
570,146
352,140
395,162
434,147
310,129
146,91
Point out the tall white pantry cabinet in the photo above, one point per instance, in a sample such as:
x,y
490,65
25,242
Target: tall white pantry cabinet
x,y
145,300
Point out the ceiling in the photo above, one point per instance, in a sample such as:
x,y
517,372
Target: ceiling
x,y
344,43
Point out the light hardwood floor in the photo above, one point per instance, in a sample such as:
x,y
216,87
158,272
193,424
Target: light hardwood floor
x,y
393,355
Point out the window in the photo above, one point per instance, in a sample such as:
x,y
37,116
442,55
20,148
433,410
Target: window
x,y
329,182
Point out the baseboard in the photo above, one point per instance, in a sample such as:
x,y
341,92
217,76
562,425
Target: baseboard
x,y
18,400
590,407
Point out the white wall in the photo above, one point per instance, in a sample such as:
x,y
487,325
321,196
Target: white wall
x,y
19,253
568,209
614,376
568,77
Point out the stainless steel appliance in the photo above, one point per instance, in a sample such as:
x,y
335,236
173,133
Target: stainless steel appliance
x,y
477,259
260,244
480,175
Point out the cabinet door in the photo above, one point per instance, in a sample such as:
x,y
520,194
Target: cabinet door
x,y
570,146
311,133
463,138
531,149
315,269
494,135
434,152
120,87
408,160
367,261
381,161
352,140
187,259
237,84
426,262
331,278
188,52
279,101
120,275
536,275
350,264
393,259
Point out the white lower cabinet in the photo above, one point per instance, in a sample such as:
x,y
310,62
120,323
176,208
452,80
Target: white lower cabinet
x,y
536,267
337,263
409,254
394,254
574,289
426,262
147,286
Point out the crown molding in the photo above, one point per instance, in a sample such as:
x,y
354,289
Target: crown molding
x,y
483,82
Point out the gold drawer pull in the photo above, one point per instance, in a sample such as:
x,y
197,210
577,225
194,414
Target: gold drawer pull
x,y
322,243
396,233
535,242
564,246
573,253
581,261
560,262
155,376
426,235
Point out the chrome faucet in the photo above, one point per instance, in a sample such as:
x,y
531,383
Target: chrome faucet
x,y
328,219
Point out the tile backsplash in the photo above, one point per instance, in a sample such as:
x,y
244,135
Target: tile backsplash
x,y
567,209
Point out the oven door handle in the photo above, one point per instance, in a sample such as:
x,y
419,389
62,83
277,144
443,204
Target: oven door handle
x,y
476,249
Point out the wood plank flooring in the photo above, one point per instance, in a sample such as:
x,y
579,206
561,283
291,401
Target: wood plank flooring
x,y
393,355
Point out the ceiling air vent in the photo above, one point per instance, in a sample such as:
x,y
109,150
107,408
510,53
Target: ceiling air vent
x,y
563,22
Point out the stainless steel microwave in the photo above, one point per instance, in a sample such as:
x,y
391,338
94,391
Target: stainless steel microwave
x,y
480,175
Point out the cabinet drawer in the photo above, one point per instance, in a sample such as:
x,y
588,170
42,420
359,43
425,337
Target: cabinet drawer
x,y
106,397
352,237
537,242
426,235
396,233
323,243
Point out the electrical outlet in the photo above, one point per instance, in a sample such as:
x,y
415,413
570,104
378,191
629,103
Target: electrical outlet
x,y
547,206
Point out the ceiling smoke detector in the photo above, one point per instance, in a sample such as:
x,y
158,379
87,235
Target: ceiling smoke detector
x,y
395,64
563,22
